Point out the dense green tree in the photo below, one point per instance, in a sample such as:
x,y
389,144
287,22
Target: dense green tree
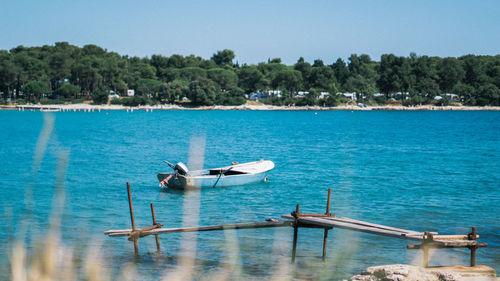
x,y
450,73
100,96
7,73
305,69
425,76
143,70
388,81
190,73
148,87
225,78
395,74
492,69
341,71
35,89
172,91
322,77
310,99
193,61
203,92
251,79
233,96
474,74
86,74
476,79
363,75
488,95
61,60
270,69
288,79
428,89
224,57
68,90
176,61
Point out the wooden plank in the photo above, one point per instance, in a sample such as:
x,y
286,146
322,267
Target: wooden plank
x,y
456,244
414,234
364,223
353,226
116,230
288,217
452,237
126,232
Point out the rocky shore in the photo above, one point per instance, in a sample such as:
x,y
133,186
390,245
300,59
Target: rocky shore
x,y
89,107
403,272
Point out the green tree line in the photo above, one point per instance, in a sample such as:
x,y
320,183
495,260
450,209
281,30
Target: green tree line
x,y
67,72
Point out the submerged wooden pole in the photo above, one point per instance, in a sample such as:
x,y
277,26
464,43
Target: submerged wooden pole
x,y
325,236
325,240
473,248
428,238
295,233
154,223
136,244
426,256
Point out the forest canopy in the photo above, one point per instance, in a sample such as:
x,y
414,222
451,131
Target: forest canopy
x,y
64,72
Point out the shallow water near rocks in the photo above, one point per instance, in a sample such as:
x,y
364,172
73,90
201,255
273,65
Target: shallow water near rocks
x,y
424,171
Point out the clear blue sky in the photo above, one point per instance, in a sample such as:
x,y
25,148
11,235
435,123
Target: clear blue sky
x,y
258,29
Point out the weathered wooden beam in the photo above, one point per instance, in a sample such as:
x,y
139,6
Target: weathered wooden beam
x,y
442,245
313,215
125,232
157,238
452,237
385,227
413,235
136,244
357,227
143,232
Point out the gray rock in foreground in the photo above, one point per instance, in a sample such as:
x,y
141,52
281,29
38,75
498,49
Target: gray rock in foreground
x,y
403,272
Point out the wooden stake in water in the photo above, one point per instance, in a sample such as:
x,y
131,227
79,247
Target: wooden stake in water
x,y
325,236
472,236
426,256
136,244
428,237
295,232
154,223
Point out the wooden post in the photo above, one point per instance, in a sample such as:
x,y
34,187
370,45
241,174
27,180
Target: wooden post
x,y
325,240
428,237
472,236
154,223
325,235
136,244
426,256
328,202
295,233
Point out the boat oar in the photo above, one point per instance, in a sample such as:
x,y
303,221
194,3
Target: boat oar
x,y
220,175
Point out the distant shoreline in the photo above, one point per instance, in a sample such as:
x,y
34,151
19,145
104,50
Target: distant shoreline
x,y
93,108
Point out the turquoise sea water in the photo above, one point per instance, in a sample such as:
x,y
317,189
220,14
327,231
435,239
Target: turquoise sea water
x,y
425,171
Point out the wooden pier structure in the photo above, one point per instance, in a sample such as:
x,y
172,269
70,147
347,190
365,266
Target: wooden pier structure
x,y
327,221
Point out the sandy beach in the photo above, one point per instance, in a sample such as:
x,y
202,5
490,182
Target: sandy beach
x,y
148,108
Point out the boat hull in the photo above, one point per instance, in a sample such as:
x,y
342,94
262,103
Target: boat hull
x,y
210,181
